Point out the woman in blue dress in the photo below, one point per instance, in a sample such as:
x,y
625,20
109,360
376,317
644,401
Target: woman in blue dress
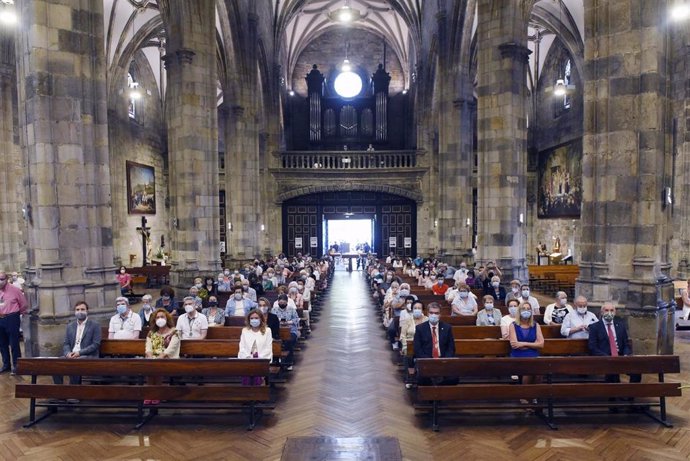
x,y
526,339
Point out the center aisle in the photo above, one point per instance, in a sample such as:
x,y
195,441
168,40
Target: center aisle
x,y
345,383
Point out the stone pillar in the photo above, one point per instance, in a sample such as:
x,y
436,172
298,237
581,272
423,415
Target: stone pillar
x,y
453,93
191,115
626,161
12,249
502,134
242,186
64,139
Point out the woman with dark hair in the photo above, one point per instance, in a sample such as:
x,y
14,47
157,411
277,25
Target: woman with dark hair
x,y
167,300
125,281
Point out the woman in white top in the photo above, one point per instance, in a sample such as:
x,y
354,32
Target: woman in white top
x,y
464,304
256,340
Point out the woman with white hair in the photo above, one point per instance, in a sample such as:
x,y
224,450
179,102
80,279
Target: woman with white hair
x,y
146,311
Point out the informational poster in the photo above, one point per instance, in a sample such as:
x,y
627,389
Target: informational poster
x,y
408,242
313,242
392,242
298,242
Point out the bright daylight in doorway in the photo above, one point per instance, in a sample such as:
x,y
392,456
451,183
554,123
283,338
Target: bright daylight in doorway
x,y
349,233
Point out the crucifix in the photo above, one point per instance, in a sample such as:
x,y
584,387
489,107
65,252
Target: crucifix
x,y
145,235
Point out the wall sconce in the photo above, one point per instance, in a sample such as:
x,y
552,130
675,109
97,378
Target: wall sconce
x,y
291,92
435,222
263,228
468,222
521,218
229,226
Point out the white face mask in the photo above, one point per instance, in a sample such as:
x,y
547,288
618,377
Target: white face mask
x,y
525,293
160,323
238,297
563,301
582,310
188,308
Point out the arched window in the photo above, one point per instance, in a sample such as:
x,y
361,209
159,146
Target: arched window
x,y
133,89
566,79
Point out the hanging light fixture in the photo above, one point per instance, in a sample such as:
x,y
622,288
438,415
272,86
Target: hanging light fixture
x,y
8,15
345,14
680,12
559,87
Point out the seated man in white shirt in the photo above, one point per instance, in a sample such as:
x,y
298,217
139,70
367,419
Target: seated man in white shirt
x,y
576,325
525,297
192,325
461,274
125,324
239,305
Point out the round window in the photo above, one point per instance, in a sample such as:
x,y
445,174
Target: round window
x,y
348,84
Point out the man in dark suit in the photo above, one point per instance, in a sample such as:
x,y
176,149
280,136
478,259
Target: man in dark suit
x,y
82,339
434,339
609,337
424,336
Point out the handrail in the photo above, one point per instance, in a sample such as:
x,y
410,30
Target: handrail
x,y
348,160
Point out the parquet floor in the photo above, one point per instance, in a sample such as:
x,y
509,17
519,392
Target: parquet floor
x,y
345,384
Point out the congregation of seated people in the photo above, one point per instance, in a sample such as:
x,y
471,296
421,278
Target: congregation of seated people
x,y
264,297
420,315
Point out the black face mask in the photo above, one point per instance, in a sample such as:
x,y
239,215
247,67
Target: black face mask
x,y
282,305
213,304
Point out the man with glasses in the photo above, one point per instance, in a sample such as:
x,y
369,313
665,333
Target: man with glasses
x,y
12,305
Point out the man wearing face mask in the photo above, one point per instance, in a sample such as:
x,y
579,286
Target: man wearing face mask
x,y
125,324
609,337
514,292
249,292
439,288
288,317
146,310
167,300
556,312
192,325
489,316
82,339
576,325
238,304
525,297
13,305
434,339
461,274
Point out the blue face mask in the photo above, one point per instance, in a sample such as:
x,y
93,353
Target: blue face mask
x,y
255,323
434,319
489,307
121,309
525,315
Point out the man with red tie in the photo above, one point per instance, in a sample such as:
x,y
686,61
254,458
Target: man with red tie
x,y
434,339
609,337
12,305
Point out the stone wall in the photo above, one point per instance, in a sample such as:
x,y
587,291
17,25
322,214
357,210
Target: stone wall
x,y
553,126
328,51
140,140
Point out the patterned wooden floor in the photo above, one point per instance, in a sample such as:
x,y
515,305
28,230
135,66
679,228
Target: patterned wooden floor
x,y
345,384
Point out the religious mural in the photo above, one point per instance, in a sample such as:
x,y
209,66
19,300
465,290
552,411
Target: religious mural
x,y
560,181
141,189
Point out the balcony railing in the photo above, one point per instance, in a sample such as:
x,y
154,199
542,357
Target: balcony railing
x,y
348,160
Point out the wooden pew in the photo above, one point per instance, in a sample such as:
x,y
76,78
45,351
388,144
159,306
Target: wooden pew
x,y
499,395
225,348
494,332
501,347
234,332
472,319
152,384
156,276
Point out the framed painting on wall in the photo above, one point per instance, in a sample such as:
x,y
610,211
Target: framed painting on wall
x,y
141,189
560,181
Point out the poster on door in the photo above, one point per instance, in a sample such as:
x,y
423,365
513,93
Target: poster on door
x,y
392,242
298,242
313,242
407,243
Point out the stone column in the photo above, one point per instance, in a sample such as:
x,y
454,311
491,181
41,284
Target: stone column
x,y
191,115
64,139
502,134
12,249
626,161
242,186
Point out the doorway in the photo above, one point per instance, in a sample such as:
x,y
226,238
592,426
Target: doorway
x,y
392,222
350,235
